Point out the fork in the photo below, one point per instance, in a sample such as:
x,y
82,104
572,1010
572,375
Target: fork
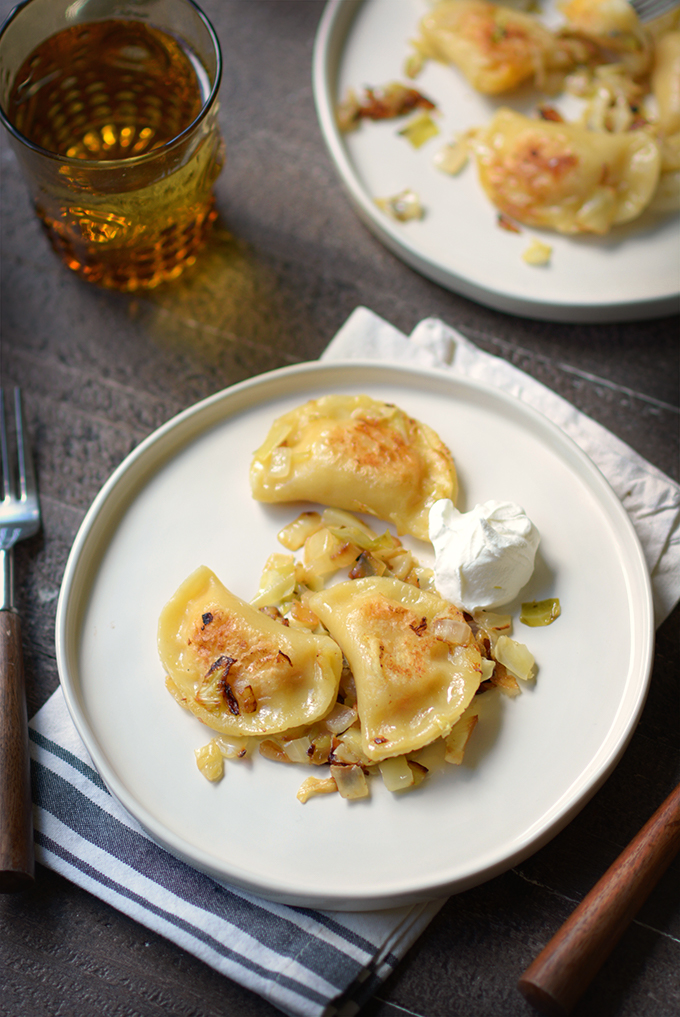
x,y
19,518
647,10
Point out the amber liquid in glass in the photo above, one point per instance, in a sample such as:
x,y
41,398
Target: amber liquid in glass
x,y
120,90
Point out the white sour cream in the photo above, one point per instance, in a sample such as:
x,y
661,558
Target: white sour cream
x,y
483,558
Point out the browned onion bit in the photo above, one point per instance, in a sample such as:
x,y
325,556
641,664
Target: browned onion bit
x,y
248,700
270,750
484,687
502,678
366,565
320,750
550,113
392,101
222,661
228,693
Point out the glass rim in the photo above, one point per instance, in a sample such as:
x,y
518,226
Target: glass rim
x,y
133,160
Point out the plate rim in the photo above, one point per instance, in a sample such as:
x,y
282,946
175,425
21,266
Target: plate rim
x,y
332,30
118,493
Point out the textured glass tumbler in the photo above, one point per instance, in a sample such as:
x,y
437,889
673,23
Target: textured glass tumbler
x,y
111,106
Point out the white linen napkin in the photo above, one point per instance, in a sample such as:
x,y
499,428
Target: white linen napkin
x,y
306,963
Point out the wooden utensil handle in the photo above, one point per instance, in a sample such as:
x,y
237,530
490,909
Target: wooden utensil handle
x,y
564,969
16,811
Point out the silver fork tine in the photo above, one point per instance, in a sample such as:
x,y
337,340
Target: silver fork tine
x,y
27,484
19,506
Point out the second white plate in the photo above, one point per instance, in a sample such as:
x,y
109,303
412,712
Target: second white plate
x,y
633,272
182,499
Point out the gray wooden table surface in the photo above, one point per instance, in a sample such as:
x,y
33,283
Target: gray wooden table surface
x,y
100,371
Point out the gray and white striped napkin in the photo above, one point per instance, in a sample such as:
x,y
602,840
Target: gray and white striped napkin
x,y
304,962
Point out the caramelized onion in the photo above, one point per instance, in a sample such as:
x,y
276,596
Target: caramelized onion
x,y
515,656
315,786
295,534
419,130
540,612
397,775
458,738
350,780
452,630
340,718
210,762
297,749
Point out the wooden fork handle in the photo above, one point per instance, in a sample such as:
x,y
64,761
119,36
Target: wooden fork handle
x,y
16,812
564,969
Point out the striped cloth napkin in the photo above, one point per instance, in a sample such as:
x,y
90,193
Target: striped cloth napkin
x,y
304,962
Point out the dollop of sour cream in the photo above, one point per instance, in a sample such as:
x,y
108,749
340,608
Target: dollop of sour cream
x,y
483,558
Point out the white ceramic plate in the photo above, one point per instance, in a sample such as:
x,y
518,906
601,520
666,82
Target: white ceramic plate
x,y
633,272
182,499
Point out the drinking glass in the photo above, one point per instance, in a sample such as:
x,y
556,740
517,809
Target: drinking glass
x,y
111,107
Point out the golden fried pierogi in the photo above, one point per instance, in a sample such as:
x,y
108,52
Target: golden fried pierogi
x,y
495,47
239,671
415,663
564,177
356,453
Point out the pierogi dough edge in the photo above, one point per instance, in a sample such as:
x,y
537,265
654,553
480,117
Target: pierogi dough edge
x,y
239,671
413,680
359,454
